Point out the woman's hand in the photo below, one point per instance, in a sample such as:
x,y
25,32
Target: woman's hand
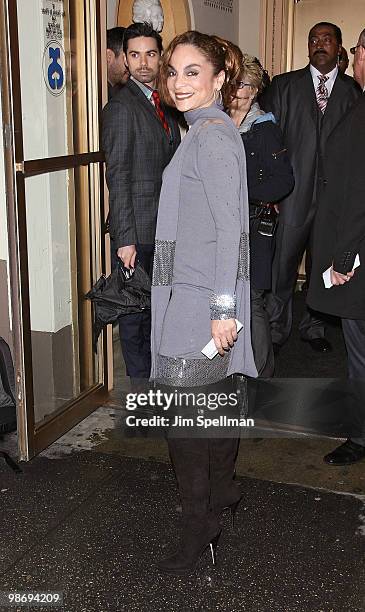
x,y
224,334
276,207
340,279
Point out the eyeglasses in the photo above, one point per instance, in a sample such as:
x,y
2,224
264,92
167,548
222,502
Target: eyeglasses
x,y
353,49
326,40
242,84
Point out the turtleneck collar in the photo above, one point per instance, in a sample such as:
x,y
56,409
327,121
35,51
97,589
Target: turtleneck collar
x,y
214,110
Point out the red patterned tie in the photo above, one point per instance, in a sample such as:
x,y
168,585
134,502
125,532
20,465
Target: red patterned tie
x,y
322,93
161,114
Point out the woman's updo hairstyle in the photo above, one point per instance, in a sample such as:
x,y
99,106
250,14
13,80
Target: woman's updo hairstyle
x,y
222,55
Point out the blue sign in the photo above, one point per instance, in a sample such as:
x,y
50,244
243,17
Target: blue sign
x,y
54,68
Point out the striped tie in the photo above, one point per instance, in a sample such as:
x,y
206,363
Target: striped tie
x,y
161,114
322,93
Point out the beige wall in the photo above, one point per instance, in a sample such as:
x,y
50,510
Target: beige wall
x,y
249,26
349,16
111,18
217,17
242,26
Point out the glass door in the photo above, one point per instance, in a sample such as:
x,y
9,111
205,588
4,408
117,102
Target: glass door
x,y
55,53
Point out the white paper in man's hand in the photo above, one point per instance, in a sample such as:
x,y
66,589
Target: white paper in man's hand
x,y
210,349
327,273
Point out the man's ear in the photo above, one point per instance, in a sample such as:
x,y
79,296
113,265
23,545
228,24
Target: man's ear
x,y
110,56
125,60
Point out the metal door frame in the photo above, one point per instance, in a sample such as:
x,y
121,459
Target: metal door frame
x,y
32,439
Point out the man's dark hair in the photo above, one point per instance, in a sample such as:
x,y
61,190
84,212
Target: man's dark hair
x,y
136,30
335,28
114,40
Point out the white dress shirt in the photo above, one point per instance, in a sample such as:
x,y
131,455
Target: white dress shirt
x,y
331,78
148,91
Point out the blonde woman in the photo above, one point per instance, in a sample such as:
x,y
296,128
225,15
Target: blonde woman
x,y
269,179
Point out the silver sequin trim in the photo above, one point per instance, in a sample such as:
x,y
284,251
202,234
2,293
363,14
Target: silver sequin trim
x,y
163,262
223,306
244,258
179,372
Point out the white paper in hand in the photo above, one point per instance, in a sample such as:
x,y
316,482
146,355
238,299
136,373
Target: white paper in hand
x,y
327,273
210,349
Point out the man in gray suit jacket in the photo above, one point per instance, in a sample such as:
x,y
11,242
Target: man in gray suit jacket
x,y
139,138
308,104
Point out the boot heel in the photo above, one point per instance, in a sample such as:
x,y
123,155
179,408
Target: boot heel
x,y
233,509
213,548
185,561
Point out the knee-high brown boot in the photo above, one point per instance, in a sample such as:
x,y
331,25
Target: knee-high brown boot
x,y
223,452
224,492
190,459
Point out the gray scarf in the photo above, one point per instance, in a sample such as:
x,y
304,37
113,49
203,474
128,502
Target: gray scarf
x,y
254,112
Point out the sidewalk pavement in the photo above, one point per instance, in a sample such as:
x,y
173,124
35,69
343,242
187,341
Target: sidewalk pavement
x,y
92,524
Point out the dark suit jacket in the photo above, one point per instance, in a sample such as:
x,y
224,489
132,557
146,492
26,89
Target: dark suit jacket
x,y
137,150
291,97
113,89
339,231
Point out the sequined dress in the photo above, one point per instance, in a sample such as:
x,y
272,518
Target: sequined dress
x,y
201,267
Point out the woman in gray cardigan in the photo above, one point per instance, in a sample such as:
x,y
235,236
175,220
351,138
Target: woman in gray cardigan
x,y
201,278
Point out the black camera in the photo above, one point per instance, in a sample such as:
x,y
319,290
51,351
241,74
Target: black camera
x,y
268,221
